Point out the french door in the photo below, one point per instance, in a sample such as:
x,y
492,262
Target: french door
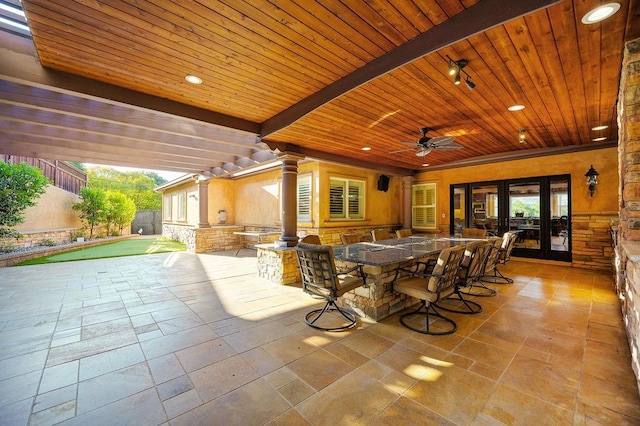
x,y
537,209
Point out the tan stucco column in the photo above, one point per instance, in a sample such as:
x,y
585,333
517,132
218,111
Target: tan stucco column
x,y
289,237
203,203
407,181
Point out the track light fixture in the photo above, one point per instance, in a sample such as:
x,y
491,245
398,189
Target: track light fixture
x,y
470,84
456,68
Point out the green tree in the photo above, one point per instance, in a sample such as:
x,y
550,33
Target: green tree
x,y
91,207
20,186
77,165
159,180
136,185
119,210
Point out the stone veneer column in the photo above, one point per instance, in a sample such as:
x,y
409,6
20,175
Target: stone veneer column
x,y
628,247
289,237
203,203
407,181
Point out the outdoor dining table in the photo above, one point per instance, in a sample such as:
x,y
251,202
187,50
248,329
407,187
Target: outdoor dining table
x,y
384,261
396,250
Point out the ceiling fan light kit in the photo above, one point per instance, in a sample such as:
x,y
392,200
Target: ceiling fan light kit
x,y
426,144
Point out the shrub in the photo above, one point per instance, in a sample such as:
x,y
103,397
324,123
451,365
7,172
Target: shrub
x,y
7,246
48,242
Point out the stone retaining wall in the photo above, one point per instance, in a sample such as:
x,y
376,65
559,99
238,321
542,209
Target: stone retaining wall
x,y
13,258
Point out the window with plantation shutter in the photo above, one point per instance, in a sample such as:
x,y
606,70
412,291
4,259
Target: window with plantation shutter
x,y
346,199
304,198
423,206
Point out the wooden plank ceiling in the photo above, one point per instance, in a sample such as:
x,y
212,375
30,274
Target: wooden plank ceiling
x,y
321,78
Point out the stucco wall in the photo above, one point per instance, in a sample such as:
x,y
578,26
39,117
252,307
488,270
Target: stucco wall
x,y
222,196
257,199
382,208
53,211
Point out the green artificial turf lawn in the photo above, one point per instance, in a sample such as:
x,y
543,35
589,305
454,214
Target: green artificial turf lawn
x,y
130,247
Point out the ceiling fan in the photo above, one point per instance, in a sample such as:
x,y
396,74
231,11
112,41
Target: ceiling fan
x,y
425,144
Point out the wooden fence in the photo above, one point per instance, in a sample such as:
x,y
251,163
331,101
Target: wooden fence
x,y
62,174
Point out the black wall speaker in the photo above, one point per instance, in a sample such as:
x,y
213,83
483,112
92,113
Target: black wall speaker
x,y
383,183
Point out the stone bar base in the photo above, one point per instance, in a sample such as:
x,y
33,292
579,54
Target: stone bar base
x,y
378,300
278,264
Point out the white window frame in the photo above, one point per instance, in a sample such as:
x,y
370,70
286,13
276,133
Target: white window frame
x,y
166,207
182,206
304,197
346,212
423,206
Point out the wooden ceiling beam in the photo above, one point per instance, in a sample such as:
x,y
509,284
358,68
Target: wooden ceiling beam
x,y
314,154
84,156
476,19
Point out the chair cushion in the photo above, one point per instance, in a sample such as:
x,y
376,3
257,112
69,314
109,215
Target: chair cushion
x,y
417,287
347,283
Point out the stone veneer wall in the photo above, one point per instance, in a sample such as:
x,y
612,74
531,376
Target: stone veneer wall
x,y
628,244
203,240
591,240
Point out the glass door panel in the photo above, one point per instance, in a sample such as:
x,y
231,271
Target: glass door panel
x,y
485,208
458,209
524,214
559,232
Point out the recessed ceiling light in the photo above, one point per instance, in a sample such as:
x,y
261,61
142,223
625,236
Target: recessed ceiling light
x,y
425,165
516,108
600,139
366,148
193,79
600,13
599,127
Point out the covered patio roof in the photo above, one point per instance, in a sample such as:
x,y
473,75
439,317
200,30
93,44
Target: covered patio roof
x,y
105,83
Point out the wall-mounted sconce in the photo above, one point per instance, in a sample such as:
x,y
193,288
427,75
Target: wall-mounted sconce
x,y
592,179
522,136
456,68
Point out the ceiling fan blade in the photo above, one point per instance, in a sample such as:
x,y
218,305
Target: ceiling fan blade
x,y
449,147
400,150
442,140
